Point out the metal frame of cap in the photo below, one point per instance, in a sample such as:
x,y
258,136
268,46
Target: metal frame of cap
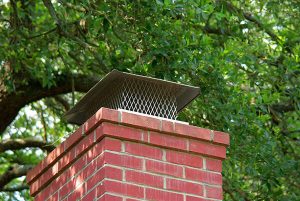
x,y
83,110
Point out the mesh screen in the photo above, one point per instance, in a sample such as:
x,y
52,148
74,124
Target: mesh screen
x,y
144,97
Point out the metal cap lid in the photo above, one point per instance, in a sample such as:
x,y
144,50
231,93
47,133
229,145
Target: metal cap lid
x,y
118,90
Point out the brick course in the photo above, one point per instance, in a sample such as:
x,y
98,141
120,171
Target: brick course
x,y
121,156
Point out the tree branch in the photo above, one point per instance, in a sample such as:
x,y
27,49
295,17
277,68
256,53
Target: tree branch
x,y
92,47
250,17
15,21
15,144
211,30
15,188
283,107
10,104
290,43
44,125
52,12
60,24
229,191
43,34
74,7
63,102
13,172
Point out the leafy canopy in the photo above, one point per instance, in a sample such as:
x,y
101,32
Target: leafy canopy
x,y
243,54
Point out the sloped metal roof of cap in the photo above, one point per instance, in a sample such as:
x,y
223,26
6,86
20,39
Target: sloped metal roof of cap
x,y
109,92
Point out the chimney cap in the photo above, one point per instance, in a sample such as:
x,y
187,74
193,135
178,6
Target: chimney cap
x,y
92,101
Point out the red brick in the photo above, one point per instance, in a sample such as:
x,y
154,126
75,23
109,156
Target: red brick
x,y
207,149
123,189
75,168
73,138
145,136
221,137
100,160
105,172
214,192
184,159
90,125
112,144
185,187
77,194
108,115
43,179
214,165
143,150
68,158
143,178
87,171
100,189
67,188
103,114
50,189
203,176
164,168
192,131
90,196
54,197
167,141
85,144
56,184
159,195
113,173
33,174
114,130
168,126
130,199
48,161
123,160
192,198
108,197
96,178
61,165
80,190
141,121
55,154
43,195
105,144
95,151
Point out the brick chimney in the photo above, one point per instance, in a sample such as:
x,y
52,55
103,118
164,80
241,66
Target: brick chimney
x,y
122,155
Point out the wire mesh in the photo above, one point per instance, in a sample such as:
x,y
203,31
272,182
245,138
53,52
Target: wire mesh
x,y
142,96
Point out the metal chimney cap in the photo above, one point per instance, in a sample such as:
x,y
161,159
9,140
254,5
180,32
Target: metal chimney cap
x,y
119,90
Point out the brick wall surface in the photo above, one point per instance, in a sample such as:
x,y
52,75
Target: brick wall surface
x,y
120,156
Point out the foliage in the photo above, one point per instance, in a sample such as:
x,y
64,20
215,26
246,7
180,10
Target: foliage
x,y
243,54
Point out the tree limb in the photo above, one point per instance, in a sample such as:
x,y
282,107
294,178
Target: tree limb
x,y
211,30
230,191
15,21
63,102
250,17
15,188
60,24
283,107
13,172
92,47
52,12
74,7
290,43
10,104
43,34
44,125
15,144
